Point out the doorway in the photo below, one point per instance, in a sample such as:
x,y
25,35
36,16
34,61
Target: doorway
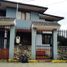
x,y
4,43
22,44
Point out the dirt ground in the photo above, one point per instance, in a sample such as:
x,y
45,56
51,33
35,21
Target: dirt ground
x,y
33,64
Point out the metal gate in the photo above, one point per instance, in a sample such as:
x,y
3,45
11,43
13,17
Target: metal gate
x,y
4,44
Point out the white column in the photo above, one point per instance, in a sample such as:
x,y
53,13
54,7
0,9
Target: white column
x,y
55,53
33,43
5,38
11,44
39,39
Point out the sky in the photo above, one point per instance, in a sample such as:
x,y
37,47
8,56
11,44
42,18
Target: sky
x,y
55,7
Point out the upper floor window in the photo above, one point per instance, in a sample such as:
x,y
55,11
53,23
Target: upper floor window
x,y
28,17
2,13
23,15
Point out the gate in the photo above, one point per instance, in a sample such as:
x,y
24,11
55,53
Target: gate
x,y
62,33
4,44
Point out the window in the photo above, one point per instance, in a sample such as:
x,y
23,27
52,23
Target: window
x,y
2,12
46,39
27,16
23,15
19,15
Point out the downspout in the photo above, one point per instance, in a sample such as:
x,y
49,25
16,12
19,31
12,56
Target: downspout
x,y
17,11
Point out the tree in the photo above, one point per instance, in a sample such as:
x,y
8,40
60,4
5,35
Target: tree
x,y
62,41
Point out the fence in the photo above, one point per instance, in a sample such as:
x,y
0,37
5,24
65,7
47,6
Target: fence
x,y
62,52
62,33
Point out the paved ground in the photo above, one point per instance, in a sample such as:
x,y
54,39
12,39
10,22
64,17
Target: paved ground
x,y
33,65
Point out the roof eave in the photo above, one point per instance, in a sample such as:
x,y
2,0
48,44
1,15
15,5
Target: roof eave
x,y
40,8
55,18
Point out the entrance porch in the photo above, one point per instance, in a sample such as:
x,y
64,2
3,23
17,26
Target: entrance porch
x,y
7,31
24,41
39,42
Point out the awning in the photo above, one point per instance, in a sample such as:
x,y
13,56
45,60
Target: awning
x,y
7,21
46,25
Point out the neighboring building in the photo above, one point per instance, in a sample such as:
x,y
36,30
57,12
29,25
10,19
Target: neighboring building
x,y
26,28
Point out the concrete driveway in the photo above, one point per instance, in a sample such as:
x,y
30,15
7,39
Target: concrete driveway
x,y
33,64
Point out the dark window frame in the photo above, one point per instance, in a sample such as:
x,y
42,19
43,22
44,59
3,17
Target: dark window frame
x,y
2,12
46,38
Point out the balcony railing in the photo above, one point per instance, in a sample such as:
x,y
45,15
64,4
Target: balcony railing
x,y
26,24
23,24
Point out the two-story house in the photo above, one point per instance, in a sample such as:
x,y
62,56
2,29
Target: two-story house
x,y
27,29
